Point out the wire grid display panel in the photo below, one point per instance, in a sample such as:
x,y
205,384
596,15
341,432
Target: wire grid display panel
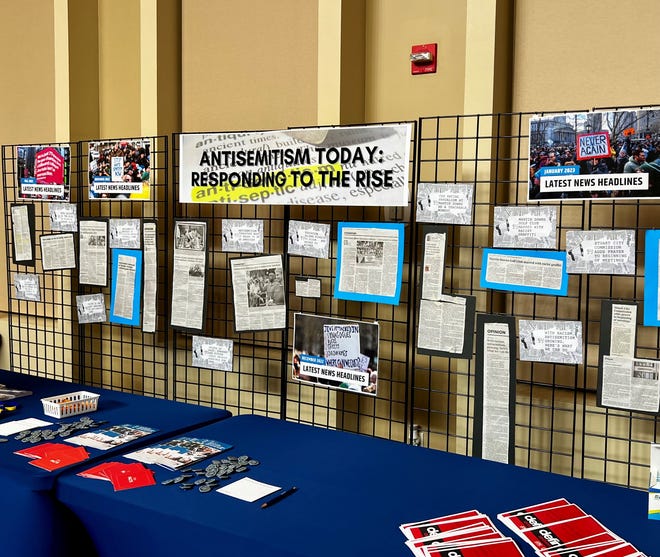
x,y
261,381
117,356
43,335
254,384
558,425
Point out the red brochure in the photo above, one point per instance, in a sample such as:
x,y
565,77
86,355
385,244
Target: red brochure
x,y
130,476
537,507
477,534
465,514
567,532
608,549
534,519
100,472
37,451
497,548
60,457
437,526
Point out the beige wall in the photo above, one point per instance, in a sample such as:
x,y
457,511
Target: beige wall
x,y
392,27
580,55
248,64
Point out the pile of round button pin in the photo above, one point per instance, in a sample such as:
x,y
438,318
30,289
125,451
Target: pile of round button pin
x,y
65,430
210,477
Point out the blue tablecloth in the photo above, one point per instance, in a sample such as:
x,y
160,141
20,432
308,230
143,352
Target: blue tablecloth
x,y
354,492
33,524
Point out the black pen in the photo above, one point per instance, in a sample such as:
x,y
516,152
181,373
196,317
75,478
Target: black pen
x,y
279,497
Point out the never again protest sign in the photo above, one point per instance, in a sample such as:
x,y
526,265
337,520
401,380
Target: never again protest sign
x,y
365,165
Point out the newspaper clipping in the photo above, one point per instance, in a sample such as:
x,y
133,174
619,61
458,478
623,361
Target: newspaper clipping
x,y
63,217
57,252
91,308
26,287
433,269
188,275
308,287
93,252
631,383
336,353
243,235
442,324
22,233
602,252
623,329
536,272
126,286
125,233
444,203
525,227
369,262
150,288
557,342
496,374
259,295
213,353
43,172
309,239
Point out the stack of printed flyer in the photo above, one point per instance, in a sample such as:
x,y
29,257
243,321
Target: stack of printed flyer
x,y
469,534
559,528
179,453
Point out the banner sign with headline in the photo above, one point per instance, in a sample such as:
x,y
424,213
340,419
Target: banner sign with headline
x,y
364,165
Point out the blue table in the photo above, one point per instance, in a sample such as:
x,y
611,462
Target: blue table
x,y
354,492
33,524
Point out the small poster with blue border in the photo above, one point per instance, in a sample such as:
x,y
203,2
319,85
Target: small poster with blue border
x,y
126,286
369,262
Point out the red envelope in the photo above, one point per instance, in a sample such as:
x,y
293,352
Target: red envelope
x,y
59,458
38,451
129,476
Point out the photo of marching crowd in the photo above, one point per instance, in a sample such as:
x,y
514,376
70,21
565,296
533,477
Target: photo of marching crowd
x,y
115,165
570,154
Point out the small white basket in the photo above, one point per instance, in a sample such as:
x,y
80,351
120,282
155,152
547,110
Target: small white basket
x,y
70,404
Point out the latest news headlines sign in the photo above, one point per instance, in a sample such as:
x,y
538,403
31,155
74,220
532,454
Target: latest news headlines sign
x,y
363,165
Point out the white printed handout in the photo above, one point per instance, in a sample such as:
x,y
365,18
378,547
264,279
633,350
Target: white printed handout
x,y
525,227
623,330
309,239
213,353
22,233
26,287
631,383
444,203
308,287
604,252
63,217
93,246
149,309
188,275
125,233
550,341
496,392
433,267
243,235
442,324
57,252
91,308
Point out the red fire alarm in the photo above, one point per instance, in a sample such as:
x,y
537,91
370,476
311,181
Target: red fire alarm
x,y
423,58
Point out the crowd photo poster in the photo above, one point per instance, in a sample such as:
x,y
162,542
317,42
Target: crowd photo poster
x,y
335,353
594,155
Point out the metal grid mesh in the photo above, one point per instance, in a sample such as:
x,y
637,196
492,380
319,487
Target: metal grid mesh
x,y
260,382
45,337
558,425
